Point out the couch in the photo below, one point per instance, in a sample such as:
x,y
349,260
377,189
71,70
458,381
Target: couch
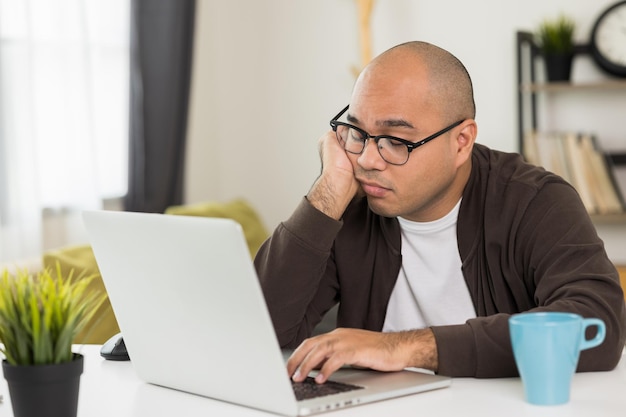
x,y
80,261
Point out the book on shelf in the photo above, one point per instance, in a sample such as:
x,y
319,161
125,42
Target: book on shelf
x,y
579,159
602,179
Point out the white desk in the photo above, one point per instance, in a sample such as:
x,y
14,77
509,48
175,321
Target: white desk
x,y
111,389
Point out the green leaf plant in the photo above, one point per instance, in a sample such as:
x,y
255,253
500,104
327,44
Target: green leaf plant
x,y
557,36
40,315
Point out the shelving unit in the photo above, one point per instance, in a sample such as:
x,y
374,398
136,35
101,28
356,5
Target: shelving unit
x,y
529,88
608,219
566,86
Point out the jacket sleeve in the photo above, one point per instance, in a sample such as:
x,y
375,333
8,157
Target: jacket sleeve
x,y
552,260
295,270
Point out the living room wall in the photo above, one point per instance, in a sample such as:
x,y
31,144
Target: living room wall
x,y
269,75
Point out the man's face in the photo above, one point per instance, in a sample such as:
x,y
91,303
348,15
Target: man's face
x,y
399,103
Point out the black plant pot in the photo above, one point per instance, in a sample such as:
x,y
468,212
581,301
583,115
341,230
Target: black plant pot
x,y
558,66
44,390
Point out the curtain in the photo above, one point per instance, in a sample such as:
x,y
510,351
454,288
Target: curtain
x,y
63,116
161,55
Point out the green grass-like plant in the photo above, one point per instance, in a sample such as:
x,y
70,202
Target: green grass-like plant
x,y
41,314
557,36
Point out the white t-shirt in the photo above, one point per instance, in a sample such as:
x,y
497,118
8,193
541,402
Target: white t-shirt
x,y
430,290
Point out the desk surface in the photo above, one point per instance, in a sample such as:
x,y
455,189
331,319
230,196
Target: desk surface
x,y
113,389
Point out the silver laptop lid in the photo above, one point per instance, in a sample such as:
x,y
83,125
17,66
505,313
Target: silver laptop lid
x,y
183,290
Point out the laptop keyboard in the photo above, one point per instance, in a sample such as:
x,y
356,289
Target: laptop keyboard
x,y
308,388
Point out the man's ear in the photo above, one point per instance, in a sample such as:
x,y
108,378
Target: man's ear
x,y
465,140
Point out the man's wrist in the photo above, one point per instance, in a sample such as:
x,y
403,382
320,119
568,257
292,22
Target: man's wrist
x,y
419,348
325,198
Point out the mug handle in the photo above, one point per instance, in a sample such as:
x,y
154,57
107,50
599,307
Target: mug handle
x,y
587,344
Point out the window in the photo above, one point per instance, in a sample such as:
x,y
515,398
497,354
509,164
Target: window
x,y
64,89
64,71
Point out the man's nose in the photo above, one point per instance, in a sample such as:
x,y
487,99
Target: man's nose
x,y
370,158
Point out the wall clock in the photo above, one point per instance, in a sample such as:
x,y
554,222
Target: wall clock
x,y
608,40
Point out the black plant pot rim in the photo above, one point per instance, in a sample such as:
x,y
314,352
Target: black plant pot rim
x,y
27,372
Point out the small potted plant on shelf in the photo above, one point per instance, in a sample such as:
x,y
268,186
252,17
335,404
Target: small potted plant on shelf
x,y
556,43
40,315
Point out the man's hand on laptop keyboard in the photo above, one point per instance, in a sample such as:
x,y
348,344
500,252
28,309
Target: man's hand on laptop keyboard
x,y
362,348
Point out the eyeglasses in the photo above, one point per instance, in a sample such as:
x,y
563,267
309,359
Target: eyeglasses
x,y
393,150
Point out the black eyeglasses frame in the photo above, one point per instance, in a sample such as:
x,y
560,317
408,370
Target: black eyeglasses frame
x,y
334,123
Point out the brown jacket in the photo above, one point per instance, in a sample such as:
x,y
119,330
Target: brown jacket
x,y
525,241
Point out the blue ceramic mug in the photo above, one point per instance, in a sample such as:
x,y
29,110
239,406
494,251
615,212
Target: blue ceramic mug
x,y
546,346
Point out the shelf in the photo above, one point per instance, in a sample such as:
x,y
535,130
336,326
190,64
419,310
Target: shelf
x,y
568,86
531,88
617,218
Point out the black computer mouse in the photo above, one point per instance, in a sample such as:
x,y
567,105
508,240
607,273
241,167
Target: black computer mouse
x,y
114,349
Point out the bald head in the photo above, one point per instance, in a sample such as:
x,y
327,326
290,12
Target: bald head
x,y
449,87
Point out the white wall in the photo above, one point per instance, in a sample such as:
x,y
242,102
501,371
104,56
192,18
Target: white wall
x,y
269,75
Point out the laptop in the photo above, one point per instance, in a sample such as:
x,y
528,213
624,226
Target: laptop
x,y
193,316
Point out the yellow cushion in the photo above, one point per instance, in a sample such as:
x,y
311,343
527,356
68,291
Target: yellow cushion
x,y
81,259
238,210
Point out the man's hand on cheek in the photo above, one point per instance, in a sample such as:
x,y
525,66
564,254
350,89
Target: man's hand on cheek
x,y
336,186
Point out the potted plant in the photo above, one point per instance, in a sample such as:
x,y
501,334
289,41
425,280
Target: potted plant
x,y
40,315
556,43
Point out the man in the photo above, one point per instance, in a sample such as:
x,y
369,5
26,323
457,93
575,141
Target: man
x,y
428,241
